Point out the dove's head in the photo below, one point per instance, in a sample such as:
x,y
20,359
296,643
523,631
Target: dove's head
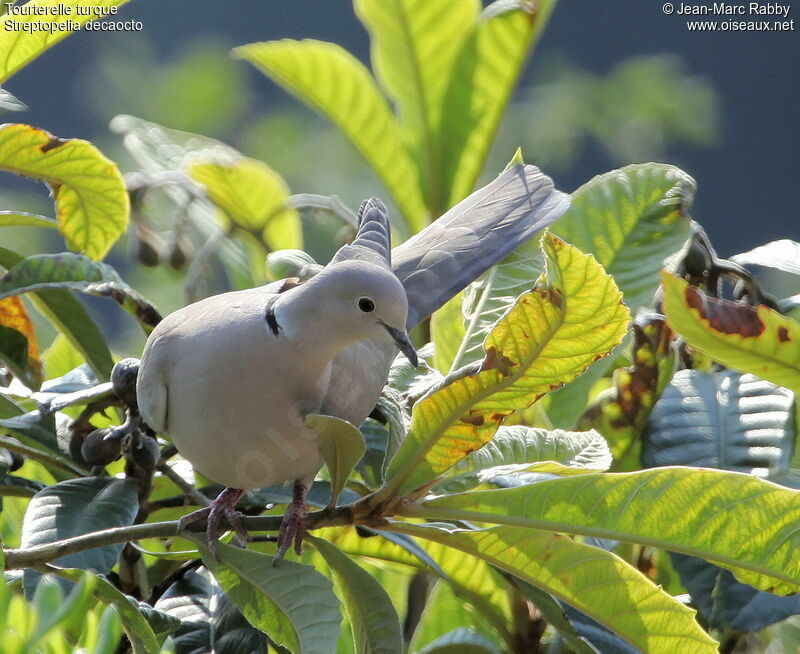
x,y
361,300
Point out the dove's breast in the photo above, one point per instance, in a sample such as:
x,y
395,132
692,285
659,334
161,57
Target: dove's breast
x,y
231,394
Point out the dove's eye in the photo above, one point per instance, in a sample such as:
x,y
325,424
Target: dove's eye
x,y
366,305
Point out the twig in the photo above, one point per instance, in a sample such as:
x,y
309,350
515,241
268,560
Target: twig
x,y
43,457
325,202
39,554
166,470
200,262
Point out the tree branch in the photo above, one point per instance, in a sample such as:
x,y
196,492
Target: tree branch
x,y
39,554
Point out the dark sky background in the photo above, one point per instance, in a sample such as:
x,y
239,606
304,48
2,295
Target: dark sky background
x,y
747,183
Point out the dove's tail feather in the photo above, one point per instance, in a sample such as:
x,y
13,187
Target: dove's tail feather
x,y
373,228
481,230
373,240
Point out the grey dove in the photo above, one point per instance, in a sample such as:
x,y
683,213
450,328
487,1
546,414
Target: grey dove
x,y
231,378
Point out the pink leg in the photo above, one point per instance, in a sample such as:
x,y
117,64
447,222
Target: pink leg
x,y
223,506
293,527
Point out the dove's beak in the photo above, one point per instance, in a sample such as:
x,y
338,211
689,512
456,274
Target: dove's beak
x,y
400,337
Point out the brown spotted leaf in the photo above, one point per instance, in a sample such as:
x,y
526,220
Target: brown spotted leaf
x,y
758,340
548,337
621,413
91,201
18,347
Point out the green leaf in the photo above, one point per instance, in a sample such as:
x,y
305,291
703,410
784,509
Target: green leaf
x,y
548,337
290,602
71,319
335,83
443,613
34,425
722,420
480,85
414,46
737,521
209,621
19,47
341,445
490,296
22,218
75,507
758,340
776,265
460,641
138,630
76,272
254,197
91,201
470,577
373,619
447,332
630,220
161,623
592,580
519,445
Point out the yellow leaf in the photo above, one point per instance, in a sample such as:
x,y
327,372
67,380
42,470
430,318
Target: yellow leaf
x,y
20,44
14,316
758,340
254,197
92,204
548,337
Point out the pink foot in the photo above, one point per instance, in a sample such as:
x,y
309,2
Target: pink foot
x,y
293,527
223,506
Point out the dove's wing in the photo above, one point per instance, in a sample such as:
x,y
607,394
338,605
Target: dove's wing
x,y
481,230
440,261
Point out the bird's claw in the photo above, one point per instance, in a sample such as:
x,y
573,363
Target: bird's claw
x,y
222,507
293,526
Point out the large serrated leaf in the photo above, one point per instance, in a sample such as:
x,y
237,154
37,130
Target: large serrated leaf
x,y
75,507
549,336
75,272
490,296
734,520
630,220
290,602
483,78
209,621
91,201
735,422
524,445
253,196
373,619
414,45
721,420
22,44
335,83
758,340
592,580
